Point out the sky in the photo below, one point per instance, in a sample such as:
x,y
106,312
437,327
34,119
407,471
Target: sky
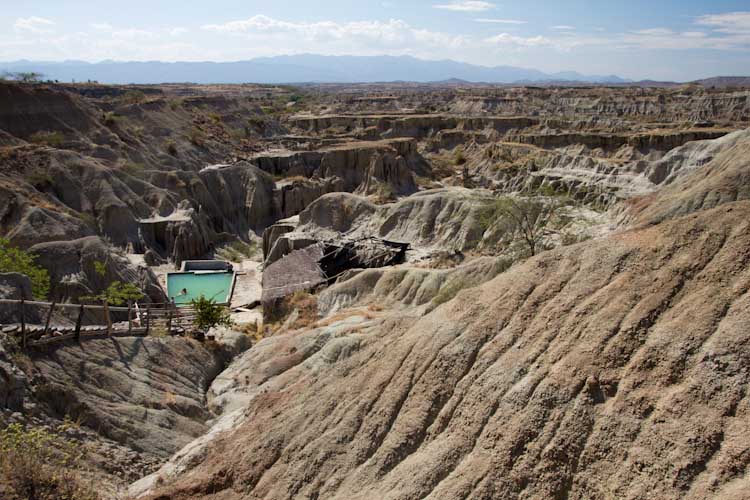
x,y
656,39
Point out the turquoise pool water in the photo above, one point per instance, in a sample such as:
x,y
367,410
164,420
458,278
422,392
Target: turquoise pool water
x,y
216,286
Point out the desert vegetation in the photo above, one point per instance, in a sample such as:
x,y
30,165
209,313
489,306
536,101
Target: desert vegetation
x,y
454,290
16,260
40,464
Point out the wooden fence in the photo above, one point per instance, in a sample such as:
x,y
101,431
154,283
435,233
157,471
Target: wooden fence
x,y
135,320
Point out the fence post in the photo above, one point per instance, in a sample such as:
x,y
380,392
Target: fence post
x,y
169,319
130,321
148,319
78,323
49,318
107,318
23,323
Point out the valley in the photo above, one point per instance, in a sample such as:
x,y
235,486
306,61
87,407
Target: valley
x,y
443,290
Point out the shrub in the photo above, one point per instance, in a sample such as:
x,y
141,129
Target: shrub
x,y
210,314
197,137
40,179
175,104
171,148
238,251
39,464
110,119
15,260
135,169
89,219
573,239
384,193
52,139
301,301
133,97
139,131
459,158
116,294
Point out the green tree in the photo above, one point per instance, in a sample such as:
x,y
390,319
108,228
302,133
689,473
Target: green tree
x,y
526,218
209,313
15,260
116,294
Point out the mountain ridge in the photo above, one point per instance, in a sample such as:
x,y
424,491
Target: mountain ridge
x,y
296,69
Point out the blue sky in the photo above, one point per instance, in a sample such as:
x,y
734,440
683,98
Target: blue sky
x,y
660,39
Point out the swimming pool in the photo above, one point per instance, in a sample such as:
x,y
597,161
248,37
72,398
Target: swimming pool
x,y
183,287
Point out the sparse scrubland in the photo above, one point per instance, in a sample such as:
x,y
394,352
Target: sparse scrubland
x,y
569,319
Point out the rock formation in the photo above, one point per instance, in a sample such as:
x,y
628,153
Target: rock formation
x,y
613,364
584,372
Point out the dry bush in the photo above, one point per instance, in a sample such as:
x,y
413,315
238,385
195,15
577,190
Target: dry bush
x,y
302,303
133,97
52,139
197,137
171,148
237,251
254,330
39,464
335,318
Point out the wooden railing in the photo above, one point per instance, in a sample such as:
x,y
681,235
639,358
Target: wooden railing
x,y
134,320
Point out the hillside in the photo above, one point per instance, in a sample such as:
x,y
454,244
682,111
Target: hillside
x,y
613,368
399,333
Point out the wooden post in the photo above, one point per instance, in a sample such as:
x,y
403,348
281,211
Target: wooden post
x,y
49,318
169,319
148,320
108,318
130,320
78,323
23,324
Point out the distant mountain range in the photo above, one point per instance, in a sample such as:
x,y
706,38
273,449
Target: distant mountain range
x,y
297,69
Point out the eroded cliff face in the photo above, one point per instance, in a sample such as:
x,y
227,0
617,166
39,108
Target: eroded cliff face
x,y
610,368
125,425
614,367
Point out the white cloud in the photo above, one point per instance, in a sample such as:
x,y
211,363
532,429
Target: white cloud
x,y
500,21
665,38
563,27
519,41
466,6
37,38
730,22
655,32
132,34
394,33
33,24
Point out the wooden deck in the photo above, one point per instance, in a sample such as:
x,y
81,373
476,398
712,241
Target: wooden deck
x,y
142,320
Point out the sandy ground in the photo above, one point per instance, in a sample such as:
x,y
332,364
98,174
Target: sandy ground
x,y
247,291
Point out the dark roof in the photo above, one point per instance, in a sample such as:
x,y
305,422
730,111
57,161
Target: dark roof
x,y
299,270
